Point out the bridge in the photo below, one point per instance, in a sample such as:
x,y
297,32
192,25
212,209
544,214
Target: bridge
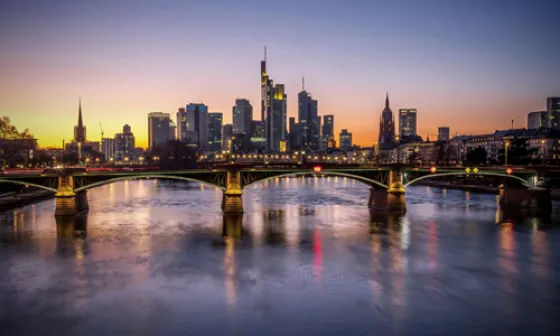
x,y
520,186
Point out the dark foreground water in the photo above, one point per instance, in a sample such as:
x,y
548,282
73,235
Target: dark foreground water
x,y
307,258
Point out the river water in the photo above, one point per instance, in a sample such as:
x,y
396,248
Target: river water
x,y
306,258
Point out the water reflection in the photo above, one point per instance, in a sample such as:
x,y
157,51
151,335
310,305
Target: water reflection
x,y
307,257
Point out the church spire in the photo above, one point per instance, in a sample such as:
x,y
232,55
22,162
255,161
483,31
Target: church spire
x,y
387,99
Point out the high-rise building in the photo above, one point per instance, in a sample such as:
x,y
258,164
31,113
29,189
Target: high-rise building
x,y
267,91
215,131
227,136
537,119
182,124
386,128
124,144
158,129
197,124
295,134
443,133
345,140
108,146
80,129
328,130
278,121
172,130
553,109
407,122
309,119
242,116
257,135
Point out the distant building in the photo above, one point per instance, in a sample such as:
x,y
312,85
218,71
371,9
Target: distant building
x,y
182,124
407,122
277,125
328,131
258,140
386,128
443,133
537,119
172,130
227,135
124,144
242,116
108,148
197,124
310,122
158,129
345,140
215,131
80,129
553,109
295,134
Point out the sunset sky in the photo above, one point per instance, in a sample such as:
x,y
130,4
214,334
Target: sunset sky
x,y
470,65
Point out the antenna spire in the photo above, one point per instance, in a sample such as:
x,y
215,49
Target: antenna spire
x,y
303,83
265,53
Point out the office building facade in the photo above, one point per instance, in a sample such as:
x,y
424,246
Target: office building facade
x,y
407,122
537,119
553,110
345,140
197,125
158,129
215,120
443,133
242,116
328,131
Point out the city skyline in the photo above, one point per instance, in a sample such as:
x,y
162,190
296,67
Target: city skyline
x,y
122,70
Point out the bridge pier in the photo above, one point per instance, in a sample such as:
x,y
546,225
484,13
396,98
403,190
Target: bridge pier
x,y
65,197
232,201
538,198
392,199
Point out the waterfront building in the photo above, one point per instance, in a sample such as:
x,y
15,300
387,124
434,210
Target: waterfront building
x,y
386,128
537,119
227,135
124,144
327,135
443,133
553,110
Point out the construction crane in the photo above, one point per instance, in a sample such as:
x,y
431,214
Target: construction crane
x,y
102,131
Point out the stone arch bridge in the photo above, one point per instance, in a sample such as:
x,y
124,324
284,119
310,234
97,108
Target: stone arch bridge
x,y
387,184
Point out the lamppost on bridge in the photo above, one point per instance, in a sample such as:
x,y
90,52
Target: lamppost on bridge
x,y
506,145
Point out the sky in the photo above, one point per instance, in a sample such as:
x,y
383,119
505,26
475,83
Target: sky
x,y
471,65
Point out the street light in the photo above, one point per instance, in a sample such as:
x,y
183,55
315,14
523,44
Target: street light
x,y
506,152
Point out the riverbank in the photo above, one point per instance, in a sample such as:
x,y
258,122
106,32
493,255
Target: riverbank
x,y
555,193
11,201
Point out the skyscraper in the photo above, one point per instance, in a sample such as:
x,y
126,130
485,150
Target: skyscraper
x,y
553,109
443,133
227,135
537,119
80,129
407,122
279,118
345,140
309,119
182,124
242,116
158,129
267,91
215,131
386,128
197,124
124,144
328,131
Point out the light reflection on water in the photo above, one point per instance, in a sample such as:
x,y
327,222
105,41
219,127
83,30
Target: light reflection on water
x,y
307,257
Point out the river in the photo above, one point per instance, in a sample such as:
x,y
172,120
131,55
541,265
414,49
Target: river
x,y
307,258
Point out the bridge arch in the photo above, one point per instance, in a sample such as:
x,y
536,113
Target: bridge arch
x,y
525,183
367,181
139,177
27,184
